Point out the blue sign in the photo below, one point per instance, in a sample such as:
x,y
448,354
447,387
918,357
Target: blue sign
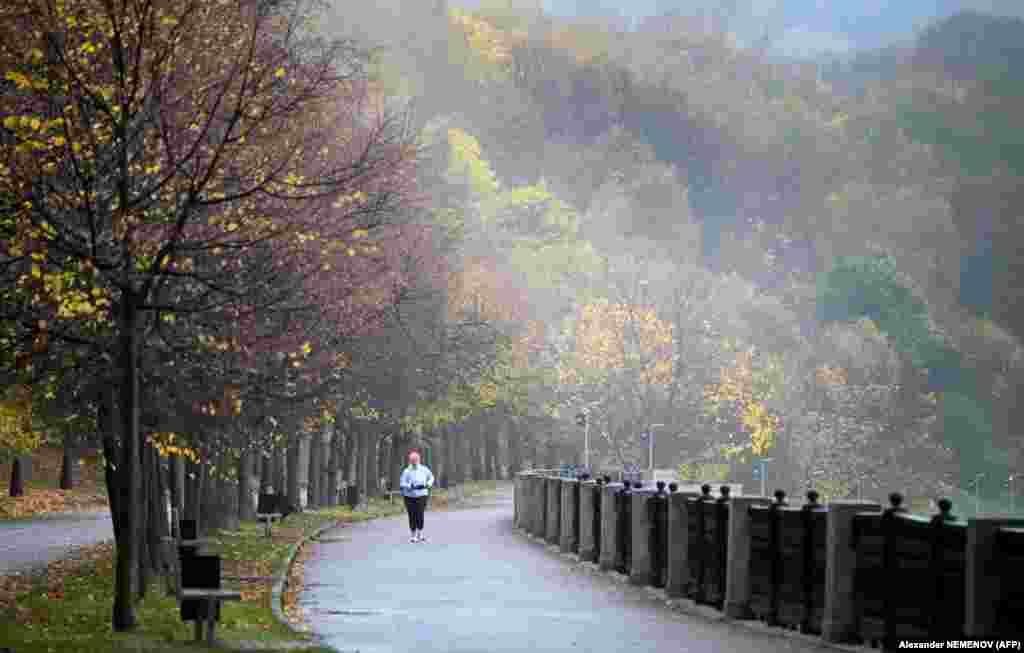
x,y
760,469
567,471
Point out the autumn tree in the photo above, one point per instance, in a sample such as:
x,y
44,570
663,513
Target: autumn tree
x,y
152,148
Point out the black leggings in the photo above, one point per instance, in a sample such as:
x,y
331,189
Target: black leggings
x,y
415,507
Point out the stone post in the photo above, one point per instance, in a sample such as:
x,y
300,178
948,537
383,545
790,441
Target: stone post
x,y
609,526
839,619
540,511
587,544
737,566
567,542
678,580
554,489
983,576
516,499
640,531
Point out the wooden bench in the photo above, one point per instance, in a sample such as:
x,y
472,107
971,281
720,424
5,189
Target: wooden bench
x,y
208,598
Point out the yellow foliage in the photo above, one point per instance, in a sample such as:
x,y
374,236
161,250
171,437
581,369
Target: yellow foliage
x,y
17,434
737,387
616,336
166,444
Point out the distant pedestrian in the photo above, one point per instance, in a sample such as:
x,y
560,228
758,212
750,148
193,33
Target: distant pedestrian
x,y
415,485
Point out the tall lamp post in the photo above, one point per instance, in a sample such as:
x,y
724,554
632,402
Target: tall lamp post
x,y
581,420
649,436
977,492
1013,499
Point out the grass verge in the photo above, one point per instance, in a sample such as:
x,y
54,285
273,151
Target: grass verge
x,y
68,608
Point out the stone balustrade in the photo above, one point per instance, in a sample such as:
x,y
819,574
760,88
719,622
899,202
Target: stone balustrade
x,y
825,569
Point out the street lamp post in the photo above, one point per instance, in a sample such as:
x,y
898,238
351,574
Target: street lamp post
x,y
650,437
582,419
977,492
586,445
1013,500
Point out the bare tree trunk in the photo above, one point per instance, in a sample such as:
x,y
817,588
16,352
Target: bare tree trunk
x,y
246,482
515,450
451,447
313,471
193,490
293,472
126,575
491,452
334,467
349,446
372,462
366,451
106,418
440,458
476,455
156,526
17,487
266,473
177,483
230,491
204,489
325,469
146,518
69,466
280,477
399,444
384,458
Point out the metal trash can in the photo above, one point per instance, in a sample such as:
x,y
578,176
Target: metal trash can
x,y
353,496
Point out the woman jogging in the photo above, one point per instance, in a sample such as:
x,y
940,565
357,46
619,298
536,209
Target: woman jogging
x,y
415,484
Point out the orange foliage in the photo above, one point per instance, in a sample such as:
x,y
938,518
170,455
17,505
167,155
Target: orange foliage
x,y
614,336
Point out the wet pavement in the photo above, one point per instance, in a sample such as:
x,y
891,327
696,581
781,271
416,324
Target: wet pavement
x,y
477,586
29,544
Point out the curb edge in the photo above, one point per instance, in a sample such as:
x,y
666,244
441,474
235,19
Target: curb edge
x,y
277,593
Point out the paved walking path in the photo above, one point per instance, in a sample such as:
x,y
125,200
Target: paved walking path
x,y
31,543
479,587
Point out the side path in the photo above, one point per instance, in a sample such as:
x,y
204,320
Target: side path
x,y
479,587
26,545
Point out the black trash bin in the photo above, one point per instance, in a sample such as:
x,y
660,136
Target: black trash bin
x,y
353,496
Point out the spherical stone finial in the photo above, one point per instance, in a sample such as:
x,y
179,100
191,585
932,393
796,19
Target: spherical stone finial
x,y
661,486
780,496
724,491
895,499
945,507
673,487
705,489
812,497
600,481
607,478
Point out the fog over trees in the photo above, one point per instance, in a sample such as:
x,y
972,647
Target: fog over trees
x,y
237,237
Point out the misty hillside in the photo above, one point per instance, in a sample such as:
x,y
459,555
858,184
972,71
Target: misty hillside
x,y
784,166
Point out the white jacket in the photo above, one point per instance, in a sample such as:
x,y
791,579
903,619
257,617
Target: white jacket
x,y
418,475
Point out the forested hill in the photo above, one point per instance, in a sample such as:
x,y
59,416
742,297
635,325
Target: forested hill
x,y
786,166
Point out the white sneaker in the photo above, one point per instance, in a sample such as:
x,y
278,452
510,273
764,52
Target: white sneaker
x,y
423,538
414,539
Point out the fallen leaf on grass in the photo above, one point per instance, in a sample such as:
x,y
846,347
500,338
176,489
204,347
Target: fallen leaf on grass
x,y
39,501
